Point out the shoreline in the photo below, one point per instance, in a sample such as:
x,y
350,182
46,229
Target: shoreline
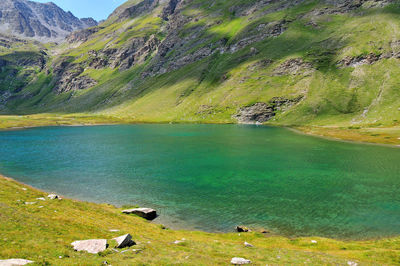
x,y
54,225
255,229
359,136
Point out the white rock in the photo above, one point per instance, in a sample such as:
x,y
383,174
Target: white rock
x,y
352,263
30,203
248,245
53,197
114,230
92,246
178,241
124,241
314,241
240,261
41,199
24,189
15,262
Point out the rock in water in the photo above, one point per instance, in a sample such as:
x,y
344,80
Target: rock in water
x,y
124,241
92,246
240,261
14,262
146,213
241,229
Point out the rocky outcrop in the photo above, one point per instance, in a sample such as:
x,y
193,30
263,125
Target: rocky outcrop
x,y
14,262
135,51
147,213
92,246
127,11
124,241
68,77
169,9
41,21
294,66
262,112
82,35
370,58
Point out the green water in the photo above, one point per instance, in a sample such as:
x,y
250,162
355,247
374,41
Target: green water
x,y
213,177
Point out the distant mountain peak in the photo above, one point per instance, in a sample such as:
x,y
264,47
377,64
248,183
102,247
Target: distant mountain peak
x,y
45,22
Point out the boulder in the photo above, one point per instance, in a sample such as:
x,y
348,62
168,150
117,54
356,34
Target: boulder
x,y
240,261
92,246
15,262
242,229
146,213
124,241
53,197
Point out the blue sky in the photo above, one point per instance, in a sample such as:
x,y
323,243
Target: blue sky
x,y
97,9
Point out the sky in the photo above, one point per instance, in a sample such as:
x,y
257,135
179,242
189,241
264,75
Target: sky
x,y
97,9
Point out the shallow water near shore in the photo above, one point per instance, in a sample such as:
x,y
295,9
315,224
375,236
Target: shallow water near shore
x,y
213,177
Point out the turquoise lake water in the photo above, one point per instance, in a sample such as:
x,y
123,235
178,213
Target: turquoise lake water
x,y
213,177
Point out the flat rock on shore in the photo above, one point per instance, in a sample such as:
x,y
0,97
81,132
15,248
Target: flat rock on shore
x,y
146,213
92,246
14,262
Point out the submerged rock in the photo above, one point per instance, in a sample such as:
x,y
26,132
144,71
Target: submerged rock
x,y
124,241
146,213
92,246
14,262
240,261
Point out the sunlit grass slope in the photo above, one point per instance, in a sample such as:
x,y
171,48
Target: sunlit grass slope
x,y
43,234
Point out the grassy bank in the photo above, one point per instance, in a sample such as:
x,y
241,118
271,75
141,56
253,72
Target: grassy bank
x,y
43,234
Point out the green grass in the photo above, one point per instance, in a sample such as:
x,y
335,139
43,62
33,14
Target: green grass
x,y
44,234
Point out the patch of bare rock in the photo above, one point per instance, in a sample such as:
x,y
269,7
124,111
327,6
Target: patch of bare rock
x,y
263,112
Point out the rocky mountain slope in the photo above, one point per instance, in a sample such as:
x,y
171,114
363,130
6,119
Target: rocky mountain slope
x,y
40,21
325,62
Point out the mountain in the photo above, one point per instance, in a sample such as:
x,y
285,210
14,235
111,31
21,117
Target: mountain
x,y
303,62
40,21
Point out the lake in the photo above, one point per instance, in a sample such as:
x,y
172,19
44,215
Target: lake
x,y
214,177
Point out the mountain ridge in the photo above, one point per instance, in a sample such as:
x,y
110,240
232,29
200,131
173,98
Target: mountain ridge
x,y
45,22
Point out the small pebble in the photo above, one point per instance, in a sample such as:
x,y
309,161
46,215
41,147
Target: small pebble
x,y
314,241
24,189
114,230
41,199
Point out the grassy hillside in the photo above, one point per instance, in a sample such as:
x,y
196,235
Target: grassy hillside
x,y
43,234
211,58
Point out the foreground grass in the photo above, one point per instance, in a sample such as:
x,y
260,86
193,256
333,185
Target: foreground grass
x,y
43,234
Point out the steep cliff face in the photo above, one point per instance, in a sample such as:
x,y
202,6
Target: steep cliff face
x,y
294,62
40,21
